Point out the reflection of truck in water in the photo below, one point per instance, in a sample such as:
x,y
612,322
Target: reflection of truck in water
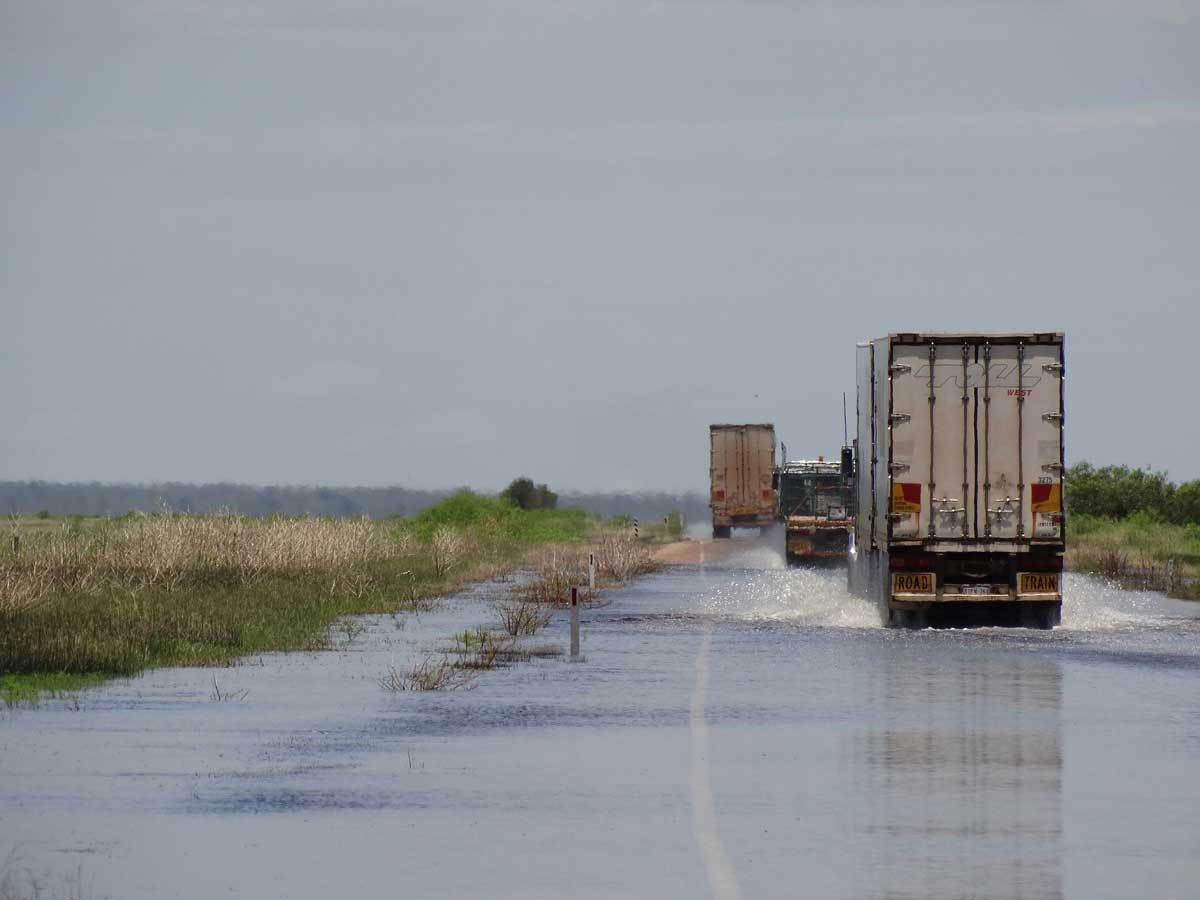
x,y
816,505
741,466
960,507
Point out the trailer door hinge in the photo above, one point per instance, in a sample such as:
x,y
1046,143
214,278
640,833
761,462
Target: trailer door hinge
x,y
899,367
1056,368
897,418
1053,417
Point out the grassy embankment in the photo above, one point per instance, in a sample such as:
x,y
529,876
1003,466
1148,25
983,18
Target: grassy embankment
x,y
83,600
1135,551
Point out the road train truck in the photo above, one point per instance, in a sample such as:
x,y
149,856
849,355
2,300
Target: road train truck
x,y
816,506
741,469
959,478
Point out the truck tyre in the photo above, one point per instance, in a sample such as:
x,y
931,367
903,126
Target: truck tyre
x,y
908,618
1041,616
721,531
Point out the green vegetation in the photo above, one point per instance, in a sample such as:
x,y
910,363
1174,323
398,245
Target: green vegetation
x,y
524,494
1116,492
81,600
498,518
1139,551
16,689
1134,526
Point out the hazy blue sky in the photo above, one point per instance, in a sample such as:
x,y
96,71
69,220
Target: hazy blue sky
x,y
435,243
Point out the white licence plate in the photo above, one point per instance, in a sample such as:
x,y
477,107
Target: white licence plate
x,y
977,589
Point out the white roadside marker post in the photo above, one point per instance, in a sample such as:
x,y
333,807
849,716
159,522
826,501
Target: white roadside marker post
x,y
574,623
591,571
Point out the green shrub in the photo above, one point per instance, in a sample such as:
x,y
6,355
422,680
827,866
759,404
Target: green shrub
x,y
1185,504
1080,524
460,510
500,518
1116,491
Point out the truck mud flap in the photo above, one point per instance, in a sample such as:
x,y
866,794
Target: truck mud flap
x,y
1040,614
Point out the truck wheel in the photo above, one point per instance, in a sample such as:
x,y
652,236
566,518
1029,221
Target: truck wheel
x,y
1049,615
721,531
908,618
1043,616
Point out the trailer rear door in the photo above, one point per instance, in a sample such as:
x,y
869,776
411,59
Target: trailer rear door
x,y
975,433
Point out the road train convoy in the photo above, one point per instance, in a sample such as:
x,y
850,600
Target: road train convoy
x,y
947,506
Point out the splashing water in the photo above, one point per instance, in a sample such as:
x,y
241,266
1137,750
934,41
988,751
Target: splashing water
x,y
764,588
1093,604
761,556
815,597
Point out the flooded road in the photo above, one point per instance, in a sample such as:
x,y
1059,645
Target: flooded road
x,y
736,730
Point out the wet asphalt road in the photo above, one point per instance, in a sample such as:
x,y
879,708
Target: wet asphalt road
x,y
736,730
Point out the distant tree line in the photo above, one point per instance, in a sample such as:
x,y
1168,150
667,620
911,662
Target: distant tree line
x,y
1117,492
97,499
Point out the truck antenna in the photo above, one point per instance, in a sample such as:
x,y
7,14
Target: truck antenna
x,y
845,426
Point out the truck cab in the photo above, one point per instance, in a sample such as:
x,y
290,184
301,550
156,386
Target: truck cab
x,y
816,507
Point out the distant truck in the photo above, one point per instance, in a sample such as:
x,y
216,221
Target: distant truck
x,y
741,470
816,506
959,478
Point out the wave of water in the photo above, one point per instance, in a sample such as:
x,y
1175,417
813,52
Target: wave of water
x,y
816,597
764,588
1093,604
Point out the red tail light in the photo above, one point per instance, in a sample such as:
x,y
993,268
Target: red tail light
x,y
911,562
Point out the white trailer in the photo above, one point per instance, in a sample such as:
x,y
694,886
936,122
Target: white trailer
x,y
959,483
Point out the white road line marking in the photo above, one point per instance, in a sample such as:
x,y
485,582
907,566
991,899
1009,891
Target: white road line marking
x,y
722,879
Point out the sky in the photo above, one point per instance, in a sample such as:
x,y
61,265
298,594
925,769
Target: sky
x,y
446,243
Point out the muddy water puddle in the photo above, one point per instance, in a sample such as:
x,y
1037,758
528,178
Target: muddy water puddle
x,y
737,729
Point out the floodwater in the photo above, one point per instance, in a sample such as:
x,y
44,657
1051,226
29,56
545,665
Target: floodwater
x,y
737,729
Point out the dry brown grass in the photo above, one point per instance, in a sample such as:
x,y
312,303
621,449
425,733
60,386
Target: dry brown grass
x,y
522,617
428,675
558,568
119,595
165,551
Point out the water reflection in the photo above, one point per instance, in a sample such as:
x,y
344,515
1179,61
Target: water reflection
x,y
962,781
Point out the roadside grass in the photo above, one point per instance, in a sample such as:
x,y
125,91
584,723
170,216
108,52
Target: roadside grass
x,y
1136,552
30,689
84,600
559,567
428,675
653,531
